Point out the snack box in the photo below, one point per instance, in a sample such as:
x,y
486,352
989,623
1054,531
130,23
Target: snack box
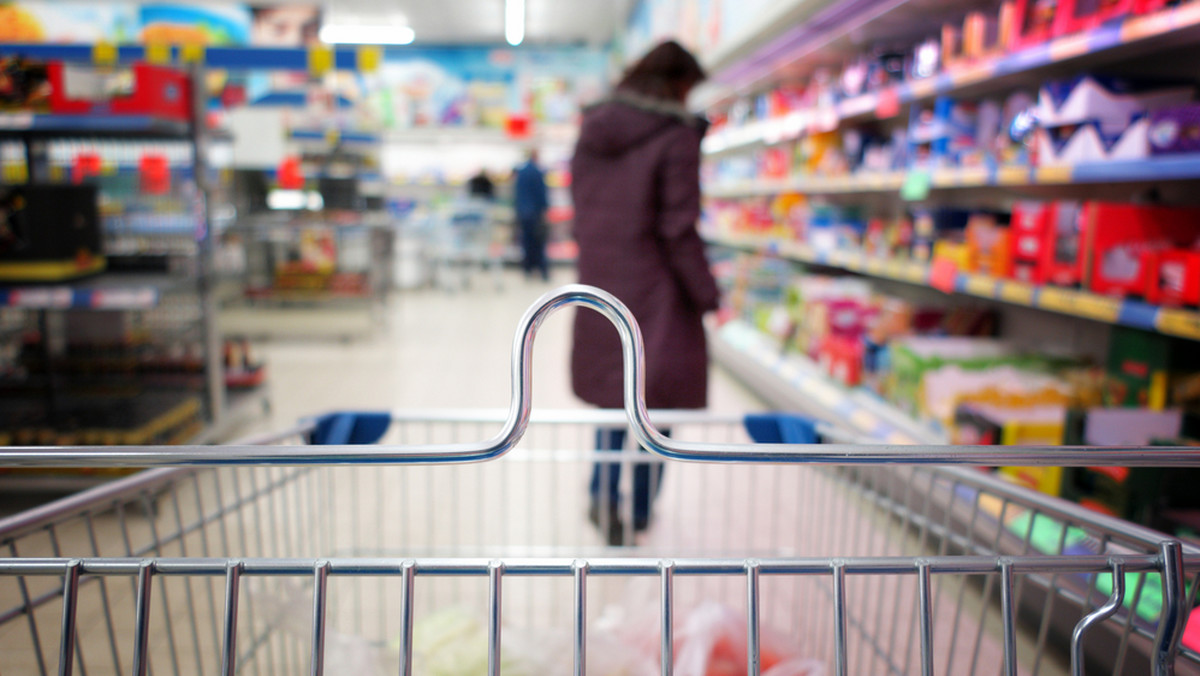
x,y
1112,102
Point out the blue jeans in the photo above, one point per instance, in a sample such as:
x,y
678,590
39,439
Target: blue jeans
x,y
647,477
533,244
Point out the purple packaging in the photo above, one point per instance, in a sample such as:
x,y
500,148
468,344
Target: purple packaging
x,y
1175,130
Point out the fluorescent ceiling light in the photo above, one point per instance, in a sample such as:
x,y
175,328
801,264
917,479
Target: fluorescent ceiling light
x,y
514,21
357,34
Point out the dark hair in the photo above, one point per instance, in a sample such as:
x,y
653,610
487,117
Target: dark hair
x,y
666,72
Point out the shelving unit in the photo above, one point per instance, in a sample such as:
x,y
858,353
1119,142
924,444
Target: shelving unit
x,y
1072,302
1157,170
173,309
838,30
793,382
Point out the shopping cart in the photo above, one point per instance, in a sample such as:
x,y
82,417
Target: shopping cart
x,y
466,241
380,543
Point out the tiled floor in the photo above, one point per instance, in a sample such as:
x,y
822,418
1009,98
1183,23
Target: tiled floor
x,y
439,349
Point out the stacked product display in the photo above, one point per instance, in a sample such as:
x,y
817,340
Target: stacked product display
x,y
918,107
103,238
889,230
949,367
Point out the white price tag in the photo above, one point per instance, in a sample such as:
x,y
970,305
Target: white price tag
x,y
42,298
124,299
16,121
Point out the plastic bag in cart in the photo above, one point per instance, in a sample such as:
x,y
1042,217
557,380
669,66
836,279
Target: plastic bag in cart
x,y
713,643
710,641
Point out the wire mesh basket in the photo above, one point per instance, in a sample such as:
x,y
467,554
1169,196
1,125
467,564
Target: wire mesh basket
x,y
383,543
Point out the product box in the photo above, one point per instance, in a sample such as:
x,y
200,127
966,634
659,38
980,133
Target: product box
x,y
1173,277
983,35
1140,367
1175,130
1139,494
931,226
1113,103
49,233
1119,236
142,90
1069,145
988,246
1046,241
842,359
24,84
1033,22
938,136
1074,16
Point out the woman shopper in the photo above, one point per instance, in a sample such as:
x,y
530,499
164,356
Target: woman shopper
x,y
636,190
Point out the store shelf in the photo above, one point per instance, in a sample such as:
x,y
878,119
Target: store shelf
x,y
1071,302
27,125
111,291
1179,168
317,58
1161,30
331,136
794,382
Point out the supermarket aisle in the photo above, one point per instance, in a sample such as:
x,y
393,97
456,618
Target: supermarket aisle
x,y
440,350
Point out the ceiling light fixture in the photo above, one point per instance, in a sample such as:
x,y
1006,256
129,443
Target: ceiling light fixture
x,y
358,34
514,21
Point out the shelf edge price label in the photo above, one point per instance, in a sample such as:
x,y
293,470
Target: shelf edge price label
x,y
916,273
916,186
888,104
320,60
981,285
1181,323
118,299
1055,174
873,265
192,53
1058,300
42,298
368,59
1016,292
158,53
1098,307
1012,176
104,53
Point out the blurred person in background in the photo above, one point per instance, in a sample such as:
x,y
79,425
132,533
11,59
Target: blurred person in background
x,y
636,190
530,203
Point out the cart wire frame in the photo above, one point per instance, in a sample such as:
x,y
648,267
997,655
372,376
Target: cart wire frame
x,y
899,481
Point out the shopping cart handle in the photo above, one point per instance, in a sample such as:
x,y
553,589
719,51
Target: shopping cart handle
x,y
635,409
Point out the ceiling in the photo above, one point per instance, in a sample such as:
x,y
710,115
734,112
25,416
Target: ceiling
x,y
482,21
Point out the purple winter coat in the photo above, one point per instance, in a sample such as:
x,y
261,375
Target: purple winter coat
x,y
636,189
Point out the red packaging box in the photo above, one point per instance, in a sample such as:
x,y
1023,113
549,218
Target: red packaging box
x,y
157,91
842,358
1074,16
1046,239
1033,22
1122,240
1174,277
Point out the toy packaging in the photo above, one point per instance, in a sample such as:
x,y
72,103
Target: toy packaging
x,y
1094,119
